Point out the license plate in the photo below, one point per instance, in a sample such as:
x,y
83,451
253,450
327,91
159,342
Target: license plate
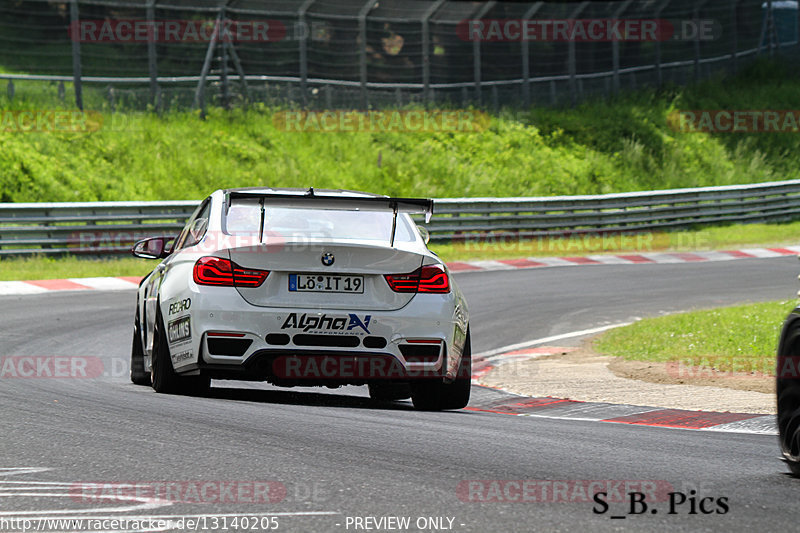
x,y
325,283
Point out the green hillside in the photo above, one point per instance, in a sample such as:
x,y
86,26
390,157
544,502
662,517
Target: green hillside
x,y
598,147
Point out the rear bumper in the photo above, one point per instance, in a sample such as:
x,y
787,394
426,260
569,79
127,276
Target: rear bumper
x,y
322,367
290,346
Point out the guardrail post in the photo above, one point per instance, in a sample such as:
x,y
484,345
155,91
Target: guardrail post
x,y
10,90
572,61
152,60
476,52
303,48
362,55
615,46
426,49
526,56
76,53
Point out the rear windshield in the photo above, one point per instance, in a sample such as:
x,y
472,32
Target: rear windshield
x,y
244,217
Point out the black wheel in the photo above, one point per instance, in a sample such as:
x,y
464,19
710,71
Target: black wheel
x,y
162,374
440,396
788,393
138,374
389,392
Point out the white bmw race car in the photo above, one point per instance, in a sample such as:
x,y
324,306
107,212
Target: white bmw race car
x,y
303,288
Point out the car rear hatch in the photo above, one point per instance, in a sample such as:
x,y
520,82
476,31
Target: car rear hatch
x,y
298,278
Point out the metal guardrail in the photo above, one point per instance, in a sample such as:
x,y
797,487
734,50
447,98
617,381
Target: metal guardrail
x,y
87,227
99,228
621,212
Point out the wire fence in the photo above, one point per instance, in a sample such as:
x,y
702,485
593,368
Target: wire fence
x,y
323,54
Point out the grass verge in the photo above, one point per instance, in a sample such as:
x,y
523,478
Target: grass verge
x,y
41,267
742,338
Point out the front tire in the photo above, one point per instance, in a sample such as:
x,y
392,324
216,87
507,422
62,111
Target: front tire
x,y
788,393
440,396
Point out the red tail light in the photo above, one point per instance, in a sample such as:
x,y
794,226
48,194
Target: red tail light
x,y
431,279
225,273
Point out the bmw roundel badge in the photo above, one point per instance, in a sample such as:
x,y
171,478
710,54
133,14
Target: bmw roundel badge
x,y
327,259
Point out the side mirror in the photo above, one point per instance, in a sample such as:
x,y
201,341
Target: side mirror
x,y
426,235
152,248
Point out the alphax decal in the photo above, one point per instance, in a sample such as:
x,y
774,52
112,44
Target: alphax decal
x,y
326,323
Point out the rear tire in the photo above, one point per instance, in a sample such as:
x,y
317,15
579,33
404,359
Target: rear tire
x,y
788,393
440,396
389,392
138,374
162,374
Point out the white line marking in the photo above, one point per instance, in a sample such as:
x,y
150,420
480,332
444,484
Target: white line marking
x,y
544,340
144,505
15,471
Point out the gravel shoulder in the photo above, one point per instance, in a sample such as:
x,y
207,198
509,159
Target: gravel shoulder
x,y
586,375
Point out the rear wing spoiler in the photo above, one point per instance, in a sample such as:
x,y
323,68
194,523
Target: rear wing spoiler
x,y
312,200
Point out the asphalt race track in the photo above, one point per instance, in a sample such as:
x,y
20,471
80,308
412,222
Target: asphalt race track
x,y
336,459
